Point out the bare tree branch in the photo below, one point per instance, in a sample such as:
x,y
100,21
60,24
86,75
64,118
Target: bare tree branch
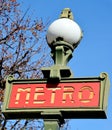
x,y
23,50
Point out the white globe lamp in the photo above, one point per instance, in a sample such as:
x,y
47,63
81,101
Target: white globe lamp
x,y
66,30
63,36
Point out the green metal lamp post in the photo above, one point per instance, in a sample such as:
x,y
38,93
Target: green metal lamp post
x,y
63,36
58,95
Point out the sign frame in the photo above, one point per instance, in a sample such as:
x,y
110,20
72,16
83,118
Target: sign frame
x,y
45,113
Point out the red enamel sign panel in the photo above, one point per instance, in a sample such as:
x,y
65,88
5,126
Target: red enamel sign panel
x,y
63,95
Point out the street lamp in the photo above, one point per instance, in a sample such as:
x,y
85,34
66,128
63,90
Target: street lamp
x,y
63,36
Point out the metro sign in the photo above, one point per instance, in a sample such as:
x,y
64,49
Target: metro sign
x,y
63,95
73,98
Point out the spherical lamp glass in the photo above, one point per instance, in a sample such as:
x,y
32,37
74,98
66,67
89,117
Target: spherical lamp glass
x,y
66,29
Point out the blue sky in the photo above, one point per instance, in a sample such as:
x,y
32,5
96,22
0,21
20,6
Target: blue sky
x,y
93,55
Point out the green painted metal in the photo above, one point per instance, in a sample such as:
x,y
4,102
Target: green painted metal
x,y
66,13
61,55
105,91
51,125
53,120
